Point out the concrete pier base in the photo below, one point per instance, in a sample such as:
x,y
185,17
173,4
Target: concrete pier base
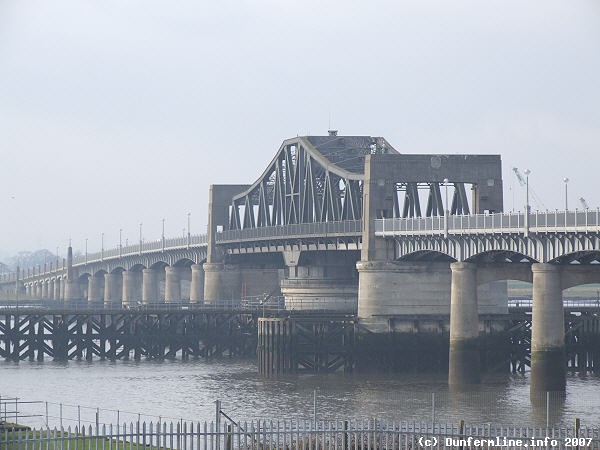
x,y
150,289
56,295
131,282
72,291
464,358
172,285
112,290
548,368
389,289
94,290
222,284
197,284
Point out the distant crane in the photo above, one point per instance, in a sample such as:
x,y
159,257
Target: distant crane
x,y
538,203
584,204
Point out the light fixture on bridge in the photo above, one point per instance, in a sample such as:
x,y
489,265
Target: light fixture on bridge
x,y
566,181
527,172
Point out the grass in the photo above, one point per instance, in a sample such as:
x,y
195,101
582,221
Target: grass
x,y
9,440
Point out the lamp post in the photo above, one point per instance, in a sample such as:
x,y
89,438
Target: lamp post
x,y
86,254
566,181
141,237
188,230
163,235
446,212
120,242
527,207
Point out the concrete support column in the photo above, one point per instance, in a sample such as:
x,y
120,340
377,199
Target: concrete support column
x,y
28,291
222,284
72,291
63,288
548,365
112,289
51,289
212,283
38,290
464,364
150,290
131,281
57,289
197,284
172,285
94,290
44,289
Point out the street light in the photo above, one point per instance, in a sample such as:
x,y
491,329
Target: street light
x,y
527,172
120,242
566,180
141,238
446,209
188,230
86,240
102,248
163,234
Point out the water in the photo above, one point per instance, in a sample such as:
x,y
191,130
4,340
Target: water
x,y
175,390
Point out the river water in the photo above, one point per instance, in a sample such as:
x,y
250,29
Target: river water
x,y
174,390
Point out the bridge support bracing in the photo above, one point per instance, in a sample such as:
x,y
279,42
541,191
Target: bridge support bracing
x,y
197,284
131,283
150,286
112,290
94,290
464,359
172,285
548,371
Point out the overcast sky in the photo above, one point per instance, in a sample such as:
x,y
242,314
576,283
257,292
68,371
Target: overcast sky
x,y
118,112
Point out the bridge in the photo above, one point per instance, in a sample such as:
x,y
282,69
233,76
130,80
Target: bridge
x,y
336,223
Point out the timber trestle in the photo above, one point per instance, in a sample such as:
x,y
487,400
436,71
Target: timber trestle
x,y
36,334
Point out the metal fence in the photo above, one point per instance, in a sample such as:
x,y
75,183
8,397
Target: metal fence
x,y
539,221
346,227
284,435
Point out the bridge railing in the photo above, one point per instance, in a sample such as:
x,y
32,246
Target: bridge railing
x,y
144,247
539,221
346,227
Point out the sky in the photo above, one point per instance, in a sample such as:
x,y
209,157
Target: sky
x,y
120,112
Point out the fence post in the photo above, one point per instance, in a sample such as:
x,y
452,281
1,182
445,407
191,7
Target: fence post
x,y
547,410
577,425
432,411
315,409
46,413
228,442
61,422
217,423
461,431
97,420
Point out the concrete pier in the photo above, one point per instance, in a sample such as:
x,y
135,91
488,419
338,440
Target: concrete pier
x,y
51,289
112,289
548,371
197,284
57,282
150,286
44,289
172,285
212,282
94,291
131,281
464,362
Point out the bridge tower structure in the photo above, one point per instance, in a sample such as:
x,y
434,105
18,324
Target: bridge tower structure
x,y
295,232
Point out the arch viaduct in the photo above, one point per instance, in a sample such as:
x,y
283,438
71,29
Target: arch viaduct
x,y
337,223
